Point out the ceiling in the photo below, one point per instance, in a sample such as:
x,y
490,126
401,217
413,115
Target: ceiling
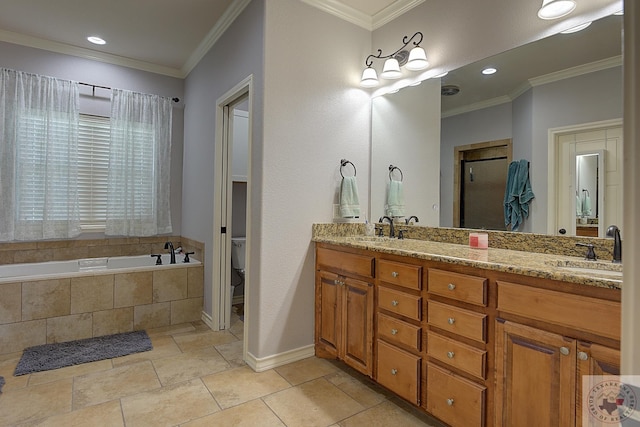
x,y
170,37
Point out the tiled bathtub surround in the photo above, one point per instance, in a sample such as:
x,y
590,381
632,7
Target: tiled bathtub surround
x,y
37,312
527,242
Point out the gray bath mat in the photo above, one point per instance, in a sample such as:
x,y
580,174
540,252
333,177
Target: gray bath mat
x,y
53,356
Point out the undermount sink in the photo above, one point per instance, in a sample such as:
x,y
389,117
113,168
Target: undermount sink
x,y
598,268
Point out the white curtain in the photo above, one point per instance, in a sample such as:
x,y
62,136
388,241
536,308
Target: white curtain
x,y
139,165
38,157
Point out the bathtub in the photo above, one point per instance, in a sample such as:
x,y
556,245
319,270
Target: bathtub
x,y
61,301
80,267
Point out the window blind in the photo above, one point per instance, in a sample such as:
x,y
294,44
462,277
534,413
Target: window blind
x,y
93,169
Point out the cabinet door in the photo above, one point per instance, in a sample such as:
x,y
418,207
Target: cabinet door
x,y
593,359
357,329
535,377
327,314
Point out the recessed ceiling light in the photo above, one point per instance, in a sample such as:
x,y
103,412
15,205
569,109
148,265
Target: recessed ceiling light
x,y
576,28
489,70
553,9
96,40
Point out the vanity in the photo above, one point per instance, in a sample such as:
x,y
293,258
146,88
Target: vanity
x,y
473,337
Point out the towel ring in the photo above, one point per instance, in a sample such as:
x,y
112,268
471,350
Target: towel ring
x,y
393,168
343,163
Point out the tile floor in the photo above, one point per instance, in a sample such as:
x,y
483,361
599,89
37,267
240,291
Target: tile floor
x,y
196,377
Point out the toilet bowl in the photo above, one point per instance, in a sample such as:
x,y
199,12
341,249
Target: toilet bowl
x,y
238,247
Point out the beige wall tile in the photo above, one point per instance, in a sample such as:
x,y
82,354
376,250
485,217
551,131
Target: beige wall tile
x,y
6,257
65,254
112,321
133,289
195,282
69,328
186,310
169,284
10,302
91,293
35,255
137,249
104,251
152,315
45,298
18,336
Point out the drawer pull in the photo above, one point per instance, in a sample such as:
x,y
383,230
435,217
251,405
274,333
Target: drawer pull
x,y
395,273
564,351
394,371
451,320
450,354
451,286
450,402
394,331
583,356
395,303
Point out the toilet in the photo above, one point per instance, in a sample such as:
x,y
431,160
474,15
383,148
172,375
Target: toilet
x,y
238,247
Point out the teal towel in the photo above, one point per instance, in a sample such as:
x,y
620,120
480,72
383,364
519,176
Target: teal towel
x,y
349,200
586,204
518,194
395,199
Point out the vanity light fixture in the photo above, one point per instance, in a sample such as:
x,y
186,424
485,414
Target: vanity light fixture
x,y
553,9
576,28
414,61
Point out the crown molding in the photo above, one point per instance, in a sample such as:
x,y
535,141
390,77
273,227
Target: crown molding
x,y
391,12
578,70
35,42
341,10
225,21
476,106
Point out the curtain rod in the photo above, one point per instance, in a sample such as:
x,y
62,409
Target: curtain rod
x,y
175,99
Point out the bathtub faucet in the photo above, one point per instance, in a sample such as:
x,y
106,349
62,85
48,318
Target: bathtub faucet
x,y
169,245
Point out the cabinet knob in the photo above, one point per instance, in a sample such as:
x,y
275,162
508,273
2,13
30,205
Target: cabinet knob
x,y
395,303
451,286
450,354
564,351
394,331
451,320
336,282
450,402
394,371
395,273
583,356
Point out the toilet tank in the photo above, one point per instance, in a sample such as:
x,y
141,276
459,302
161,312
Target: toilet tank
x,y
238,245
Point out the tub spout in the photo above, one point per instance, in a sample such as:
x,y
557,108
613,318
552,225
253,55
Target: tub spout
x,y
169,245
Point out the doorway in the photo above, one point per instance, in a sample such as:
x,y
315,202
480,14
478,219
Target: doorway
x,y
232,204
479,184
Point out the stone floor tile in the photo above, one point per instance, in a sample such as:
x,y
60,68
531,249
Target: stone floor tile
x,y
171,329
387,414
69,372
32,403
362,391
163,346
7,368
189,365
196,340
250,414
306,370
231,388
108,414
232,352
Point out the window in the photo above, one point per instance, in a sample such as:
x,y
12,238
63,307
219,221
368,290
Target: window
x,y
93,170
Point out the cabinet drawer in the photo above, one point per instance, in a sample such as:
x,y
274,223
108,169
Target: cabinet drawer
x,y
397,331
457,354
461,287
399,371
455,400
406,275
586,314
457,320
332,260
400,303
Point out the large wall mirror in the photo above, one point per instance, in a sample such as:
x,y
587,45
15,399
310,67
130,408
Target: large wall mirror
x,y
563,81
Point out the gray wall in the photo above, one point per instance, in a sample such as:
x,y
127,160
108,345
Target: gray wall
x,y
583,99
69,67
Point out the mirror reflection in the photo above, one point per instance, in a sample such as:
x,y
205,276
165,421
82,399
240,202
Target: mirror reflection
x,y
588,194
567,81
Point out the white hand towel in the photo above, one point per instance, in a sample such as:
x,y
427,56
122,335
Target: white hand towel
x,y
395,199
586,204
349,200
578,206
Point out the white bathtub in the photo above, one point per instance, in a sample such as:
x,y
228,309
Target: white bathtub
x,y
87,266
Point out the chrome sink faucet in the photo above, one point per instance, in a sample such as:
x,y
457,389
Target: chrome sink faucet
x,y
169,245
614,231
392,232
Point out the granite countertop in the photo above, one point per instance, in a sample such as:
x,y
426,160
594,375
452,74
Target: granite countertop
x,y
546,266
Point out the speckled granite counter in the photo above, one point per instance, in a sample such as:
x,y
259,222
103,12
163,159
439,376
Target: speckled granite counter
x,y
547,266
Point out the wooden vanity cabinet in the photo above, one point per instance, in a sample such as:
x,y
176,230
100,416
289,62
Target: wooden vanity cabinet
x,y
539,372
344,308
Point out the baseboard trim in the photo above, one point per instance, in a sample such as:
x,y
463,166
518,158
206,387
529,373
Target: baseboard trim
x,y
270,362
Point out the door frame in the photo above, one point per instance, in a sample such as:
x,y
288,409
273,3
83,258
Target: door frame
x,y
459,153
221,254
553,136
